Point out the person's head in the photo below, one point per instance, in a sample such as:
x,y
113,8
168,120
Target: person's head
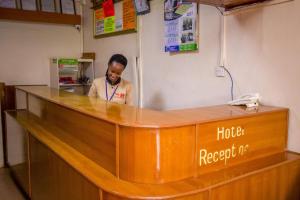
x,y
116,65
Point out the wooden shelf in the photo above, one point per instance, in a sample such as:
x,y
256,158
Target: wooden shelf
x,y
227,4
38,16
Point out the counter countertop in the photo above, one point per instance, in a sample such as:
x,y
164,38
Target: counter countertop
x,y
140,117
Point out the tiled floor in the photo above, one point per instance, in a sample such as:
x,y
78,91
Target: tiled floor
x,y
8,190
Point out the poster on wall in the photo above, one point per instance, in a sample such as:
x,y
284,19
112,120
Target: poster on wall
x,y
180,20
114,18
142,7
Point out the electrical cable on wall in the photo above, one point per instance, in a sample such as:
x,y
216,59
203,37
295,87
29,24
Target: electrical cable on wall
x,y
223,55
231,81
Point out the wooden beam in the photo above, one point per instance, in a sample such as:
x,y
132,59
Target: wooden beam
x,y
38,16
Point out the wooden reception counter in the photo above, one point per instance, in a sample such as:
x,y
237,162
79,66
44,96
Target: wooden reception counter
x,y
76,147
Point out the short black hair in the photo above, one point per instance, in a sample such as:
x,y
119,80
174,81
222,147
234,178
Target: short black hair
x,y
119,58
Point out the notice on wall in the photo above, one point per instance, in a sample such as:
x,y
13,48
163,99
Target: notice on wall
x,y
180,26
117,19
109,24
99,21
108,8
129,16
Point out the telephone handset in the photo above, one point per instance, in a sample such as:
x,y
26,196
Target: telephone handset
x,y
250,100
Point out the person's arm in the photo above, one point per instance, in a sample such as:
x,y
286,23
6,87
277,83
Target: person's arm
x,y
129,100
93,90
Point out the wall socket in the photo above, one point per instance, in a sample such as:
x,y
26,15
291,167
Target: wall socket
x,y
219,71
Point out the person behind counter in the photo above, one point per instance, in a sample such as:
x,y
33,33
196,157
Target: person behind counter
x,y
112,87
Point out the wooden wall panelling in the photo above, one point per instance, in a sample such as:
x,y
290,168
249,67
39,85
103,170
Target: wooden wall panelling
x,y
92,137
17,153
156,155
280,183
53,179
249,138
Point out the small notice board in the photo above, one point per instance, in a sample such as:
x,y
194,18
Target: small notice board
x,y
123,20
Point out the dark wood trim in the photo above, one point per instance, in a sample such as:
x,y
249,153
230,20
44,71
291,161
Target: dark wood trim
x,y
10,97
3,127
8,102
38,16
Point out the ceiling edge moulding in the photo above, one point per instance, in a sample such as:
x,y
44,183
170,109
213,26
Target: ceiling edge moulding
x,y
254,6
228,7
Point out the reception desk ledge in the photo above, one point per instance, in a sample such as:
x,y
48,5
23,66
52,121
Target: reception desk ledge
x,y
83,148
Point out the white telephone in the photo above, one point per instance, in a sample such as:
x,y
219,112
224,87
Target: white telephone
x,y
250,100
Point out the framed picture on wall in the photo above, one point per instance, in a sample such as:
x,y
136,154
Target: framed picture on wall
x,y
8,4
141,7
68,7
28,5
48,5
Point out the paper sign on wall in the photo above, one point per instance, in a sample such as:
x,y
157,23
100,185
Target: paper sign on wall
x,y
129,16
108,8
111,18
180,26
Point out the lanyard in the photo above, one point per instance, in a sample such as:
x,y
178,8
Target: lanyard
x,y
112,93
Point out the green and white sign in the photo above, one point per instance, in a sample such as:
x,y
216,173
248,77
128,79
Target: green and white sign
x,y
68,61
